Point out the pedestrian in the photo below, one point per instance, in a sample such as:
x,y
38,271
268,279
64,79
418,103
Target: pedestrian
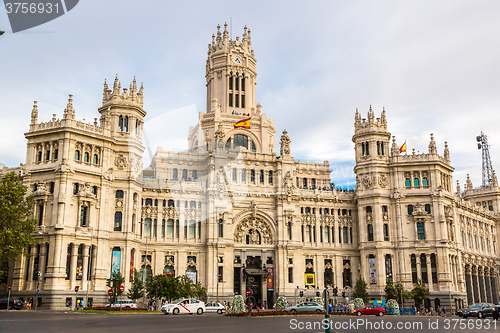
x,y
438,309
68,305
444,311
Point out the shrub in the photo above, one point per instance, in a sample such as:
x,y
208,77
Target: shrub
x,y
359,303
238,304
281,304
392,307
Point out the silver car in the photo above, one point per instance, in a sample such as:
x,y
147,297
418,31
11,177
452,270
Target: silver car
x,y
215,307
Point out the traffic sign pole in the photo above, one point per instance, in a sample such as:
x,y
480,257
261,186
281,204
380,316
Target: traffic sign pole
x,y
110,293
122,288
8,299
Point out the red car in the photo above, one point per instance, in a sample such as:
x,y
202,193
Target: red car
x,y
371,310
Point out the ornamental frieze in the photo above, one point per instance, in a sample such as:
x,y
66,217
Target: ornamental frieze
x,y
258,231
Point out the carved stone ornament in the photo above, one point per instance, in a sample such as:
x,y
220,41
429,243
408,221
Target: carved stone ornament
x,y
121,162
288,183
86,191
367,181
221,182
40,189
119,203
419,210
285,144
219,134
219,75
382,180
257,230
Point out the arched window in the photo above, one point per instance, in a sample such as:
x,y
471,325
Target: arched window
x,y
407,182
308,210
77,155
370,232
270,177
119,194
252,176
235,176
125,124
174,174
170,228
368,209
420,230
304,183
425,182
171,203
47,155
416,182
156,202
414,276
386,232
95,159
252,146
423,268
118,221
56,154
240,140
164,203
195,174
149,202
145,272
384,209
434,268
120,124
184,174
86,157
169,269
261,176
428,208
243,175
192,204
410,209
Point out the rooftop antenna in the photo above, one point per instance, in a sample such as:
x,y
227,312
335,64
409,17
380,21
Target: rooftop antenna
x,y
482,143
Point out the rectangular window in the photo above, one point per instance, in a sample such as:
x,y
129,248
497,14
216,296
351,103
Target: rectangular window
x,y
425,182
221,269
40,214
243,175
236,83
327,234
270,177
234,175
162,228
252,176
386,232
237,100
289,230
242,101
290,274
199,229
221,228
237,280
345,236
230,83
242,84
83,216
192,229
170,228
420,230
177,229
407,182
155,227
261,176
147,228
308,233
230,99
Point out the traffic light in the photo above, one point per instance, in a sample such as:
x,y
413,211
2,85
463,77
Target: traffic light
x,y
317,294
301,293
335,291
343,294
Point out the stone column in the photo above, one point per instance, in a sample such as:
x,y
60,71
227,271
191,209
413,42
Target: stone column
x,y
85,270
419,267
43,261
481,284
487,283
494,286
475,285
429,271
468,284
33,252
72,270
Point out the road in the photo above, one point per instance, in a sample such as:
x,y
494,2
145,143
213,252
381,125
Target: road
x,y
55,322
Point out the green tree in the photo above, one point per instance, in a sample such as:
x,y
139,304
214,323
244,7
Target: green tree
x,y
114,283
419,293
199,292
185,286
164,286
136,290
360,290
396,292
16,221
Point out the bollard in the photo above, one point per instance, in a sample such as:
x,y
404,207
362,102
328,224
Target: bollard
x,y
328,328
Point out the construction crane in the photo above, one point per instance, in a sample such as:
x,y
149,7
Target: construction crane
x,y
482,143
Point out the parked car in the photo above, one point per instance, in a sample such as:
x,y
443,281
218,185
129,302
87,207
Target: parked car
x,y
306,307
187,305
215,307
124,304
370,310
15,304
479,310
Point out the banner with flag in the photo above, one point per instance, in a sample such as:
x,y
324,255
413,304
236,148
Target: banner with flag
x,y
403,148
243,123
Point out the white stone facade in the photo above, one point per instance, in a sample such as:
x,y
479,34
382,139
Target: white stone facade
x,y
232,201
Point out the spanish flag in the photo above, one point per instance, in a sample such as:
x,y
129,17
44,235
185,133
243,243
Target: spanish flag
x,y
403,148
243,123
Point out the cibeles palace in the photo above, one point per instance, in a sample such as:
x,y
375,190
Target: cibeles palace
x,y
234,208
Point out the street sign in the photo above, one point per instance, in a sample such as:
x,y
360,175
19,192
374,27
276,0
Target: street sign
x,y
122,288
77,288
9,287
110,292
249,292
38,291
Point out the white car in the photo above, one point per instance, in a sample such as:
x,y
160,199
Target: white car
x,y
124,304
215,307
187,305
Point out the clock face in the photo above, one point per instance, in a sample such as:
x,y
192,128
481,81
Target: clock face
x,y
237,59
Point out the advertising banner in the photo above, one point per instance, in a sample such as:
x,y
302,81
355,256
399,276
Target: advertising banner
x,y
309,279
373,270
115,261
131,278
270,279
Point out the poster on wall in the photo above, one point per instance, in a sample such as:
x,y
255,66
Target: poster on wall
x,y
373,270
192,276
131,266
115,261
309,279
270,279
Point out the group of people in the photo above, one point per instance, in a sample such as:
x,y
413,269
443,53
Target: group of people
x,y
28,304
441,311
338,307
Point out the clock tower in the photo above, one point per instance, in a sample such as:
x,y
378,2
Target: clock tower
x,y
230,73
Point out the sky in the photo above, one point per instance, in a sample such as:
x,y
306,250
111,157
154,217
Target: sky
x,y
434,66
